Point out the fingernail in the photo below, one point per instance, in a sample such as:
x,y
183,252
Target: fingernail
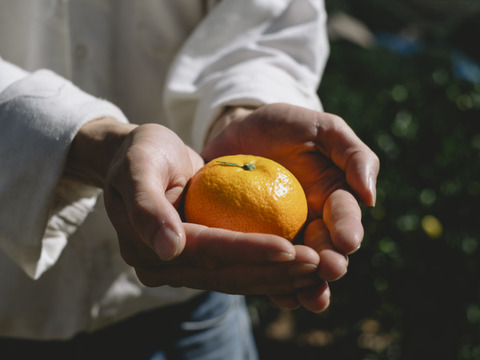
x,y
372,185
281,257
302,269
166,244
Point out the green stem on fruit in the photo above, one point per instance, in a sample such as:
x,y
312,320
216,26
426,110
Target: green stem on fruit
x,y
247,166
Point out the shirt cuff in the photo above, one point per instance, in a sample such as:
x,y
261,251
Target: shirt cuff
x,y
41,114
238,88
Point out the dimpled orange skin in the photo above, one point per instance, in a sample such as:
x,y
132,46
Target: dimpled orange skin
x,y
268,199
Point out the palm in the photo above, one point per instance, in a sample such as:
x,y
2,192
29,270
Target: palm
x,y
328,159
291,139
318,175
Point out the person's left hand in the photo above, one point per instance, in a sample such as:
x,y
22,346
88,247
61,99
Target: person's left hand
x,y
335,168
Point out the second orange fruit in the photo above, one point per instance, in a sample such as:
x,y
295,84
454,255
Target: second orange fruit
x,y
247,193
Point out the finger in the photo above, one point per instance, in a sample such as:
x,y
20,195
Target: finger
x,y
336,140
333,264
315,298
343,218
212,248
227,261
245,279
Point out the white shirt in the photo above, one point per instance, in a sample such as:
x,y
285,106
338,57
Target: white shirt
x,y
174,62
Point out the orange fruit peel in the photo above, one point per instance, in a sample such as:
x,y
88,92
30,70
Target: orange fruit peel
x,y
247,193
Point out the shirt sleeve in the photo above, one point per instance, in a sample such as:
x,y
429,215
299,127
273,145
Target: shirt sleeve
x,y
40,113
248,52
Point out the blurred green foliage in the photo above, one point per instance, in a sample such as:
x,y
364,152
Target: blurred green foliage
x,y
413,289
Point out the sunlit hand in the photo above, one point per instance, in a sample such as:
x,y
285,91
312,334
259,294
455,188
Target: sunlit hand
x,y
336,169
143,188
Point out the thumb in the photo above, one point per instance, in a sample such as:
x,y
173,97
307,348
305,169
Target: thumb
x,y
160,226
335,139
150,163
155,221
167,235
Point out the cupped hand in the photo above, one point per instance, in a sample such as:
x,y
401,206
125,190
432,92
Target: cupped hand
x,y
143,187
234,263
336,169
142,192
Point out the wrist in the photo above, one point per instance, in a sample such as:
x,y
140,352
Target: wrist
x,y
227,116
93,149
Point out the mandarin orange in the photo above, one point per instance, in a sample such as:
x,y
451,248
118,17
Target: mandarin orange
x,y
247,193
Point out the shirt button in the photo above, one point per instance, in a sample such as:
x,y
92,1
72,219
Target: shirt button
x,y
81,51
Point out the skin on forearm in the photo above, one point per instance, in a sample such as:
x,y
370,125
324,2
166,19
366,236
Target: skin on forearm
x,y
97,141
228,115
93,149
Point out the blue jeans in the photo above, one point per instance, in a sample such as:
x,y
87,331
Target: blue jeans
x,y
209,327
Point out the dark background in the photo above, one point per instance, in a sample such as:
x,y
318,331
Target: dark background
x,y
408,82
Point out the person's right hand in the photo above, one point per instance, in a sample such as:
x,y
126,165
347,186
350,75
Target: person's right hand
x,y
143,187
234,263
